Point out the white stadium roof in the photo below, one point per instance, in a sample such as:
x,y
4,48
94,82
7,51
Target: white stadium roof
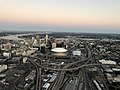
x,y
59,50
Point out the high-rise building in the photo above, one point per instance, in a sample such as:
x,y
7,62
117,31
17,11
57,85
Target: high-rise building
x,y
9,46
53,45
37,37
46,39
43,49
33,38
59,44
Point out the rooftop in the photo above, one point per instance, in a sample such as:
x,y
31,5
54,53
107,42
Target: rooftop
x,y
59,50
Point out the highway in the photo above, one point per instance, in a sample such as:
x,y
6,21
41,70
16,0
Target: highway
x,y
38,75
77,66
64,84
86,60
80,76
60,79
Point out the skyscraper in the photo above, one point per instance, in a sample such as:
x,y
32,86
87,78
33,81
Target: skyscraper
x,y
46,39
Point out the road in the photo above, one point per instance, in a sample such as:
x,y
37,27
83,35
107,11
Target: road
x,y
38,75
60,80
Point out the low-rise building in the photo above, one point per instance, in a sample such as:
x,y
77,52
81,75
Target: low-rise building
x,y
3,68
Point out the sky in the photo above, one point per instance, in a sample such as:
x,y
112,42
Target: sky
x,y
101,16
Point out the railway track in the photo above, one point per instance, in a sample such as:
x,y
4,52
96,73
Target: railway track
x,y
59,82
20,79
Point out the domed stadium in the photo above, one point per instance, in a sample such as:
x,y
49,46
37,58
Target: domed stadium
x,y
59,50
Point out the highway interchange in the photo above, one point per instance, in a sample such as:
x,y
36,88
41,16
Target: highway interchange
x,y
30,68
83,79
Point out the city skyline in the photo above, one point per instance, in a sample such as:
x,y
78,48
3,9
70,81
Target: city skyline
x,y
101,16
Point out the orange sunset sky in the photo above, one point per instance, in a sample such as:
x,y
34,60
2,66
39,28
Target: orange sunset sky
x,y
62,13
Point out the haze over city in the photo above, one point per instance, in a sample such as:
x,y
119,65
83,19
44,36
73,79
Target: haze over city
x,y
94,16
